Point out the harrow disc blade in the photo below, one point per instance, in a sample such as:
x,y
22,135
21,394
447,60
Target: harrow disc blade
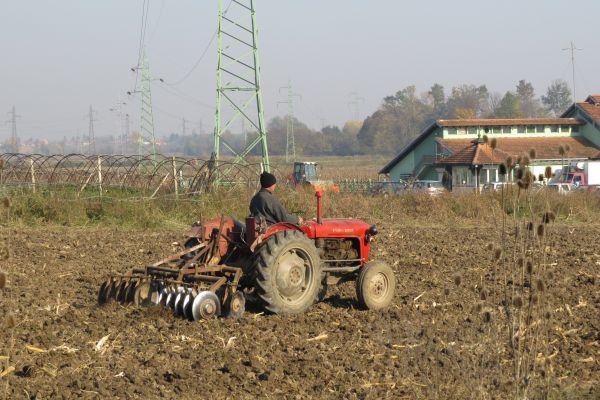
x,y
206,306
122,291
188,301
164,294
236,306
130,291
171,297
178,307
142,294
112,290
103,292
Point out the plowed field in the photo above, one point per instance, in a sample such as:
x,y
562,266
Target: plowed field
x,y
432,343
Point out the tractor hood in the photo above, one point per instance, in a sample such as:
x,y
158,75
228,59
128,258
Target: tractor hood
x,y
336,228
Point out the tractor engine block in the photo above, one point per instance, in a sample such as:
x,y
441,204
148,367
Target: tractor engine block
x,y
337,249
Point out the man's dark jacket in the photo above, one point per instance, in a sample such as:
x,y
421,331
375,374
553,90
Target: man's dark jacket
x,y
264,204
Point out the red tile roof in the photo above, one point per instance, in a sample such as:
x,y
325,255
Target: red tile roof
x,y
509,122
591,107
470,152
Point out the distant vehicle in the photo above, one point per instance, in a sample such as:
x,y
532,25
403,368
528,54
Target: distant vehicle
x,y
581,174
562,188
386,189
495,186
306,174
433,188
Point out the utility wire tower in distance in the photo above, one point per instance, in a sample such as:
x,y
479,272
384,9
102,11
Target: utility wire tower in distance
x,y
14,138
572,48
354,104
239,93
91,150
290,144
146,139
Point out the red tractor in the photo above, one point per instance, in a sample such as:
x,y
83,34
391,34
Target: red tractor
x,y
286,267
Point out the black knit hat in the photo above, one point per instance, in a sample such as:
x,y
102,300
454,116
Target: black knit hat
x,y
267,180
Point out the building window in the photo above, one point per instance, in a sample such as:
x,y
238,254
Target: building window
x,y
461,131
506,129
472,130
497,129
530,129
565,129
554,129
540,129
451,131
575,128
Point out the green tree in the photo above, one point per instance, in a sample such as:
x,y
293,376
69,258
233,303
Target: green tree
x,y
468,101
558,97
510,107
530,106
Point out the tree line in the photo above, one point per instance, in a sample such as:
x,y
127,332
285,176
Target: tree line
x,y
398,120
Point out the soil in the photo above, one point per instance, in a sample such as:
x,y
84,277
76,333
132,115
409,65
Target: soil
x,y
433,342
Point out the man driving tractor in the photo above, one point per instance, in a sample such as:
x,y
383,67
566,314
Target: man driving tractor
x,y
264,204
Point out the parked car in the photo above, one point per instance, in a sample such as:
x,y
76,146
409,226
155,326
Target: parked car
x,y
494,186
387,188
434,188
562,188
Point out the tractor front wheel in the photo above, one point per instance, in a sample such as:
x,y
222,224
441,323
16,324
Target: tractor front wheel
x,y
375,285
289,273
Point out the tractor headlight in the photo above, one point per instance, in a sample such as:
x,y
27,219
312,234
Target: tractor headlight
x,y
372,231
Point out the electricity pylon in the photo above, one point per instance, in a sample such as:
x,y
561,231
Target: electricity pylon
x,y
91,136
146,140
290,143
14,138
240,96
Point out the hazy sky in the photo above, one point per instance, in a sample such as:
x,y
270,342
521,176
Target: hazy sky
x,y
58,57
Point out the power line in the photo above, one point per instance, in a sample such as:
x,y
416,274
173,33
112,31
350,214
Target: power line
x,y
14,138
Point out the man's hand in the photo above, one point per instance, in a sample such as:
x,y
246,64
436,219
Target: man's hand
x,y
300,220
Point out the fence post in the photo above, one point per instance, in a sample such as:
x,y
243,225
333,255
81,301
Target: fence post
x,y
175,181
100,175
32,170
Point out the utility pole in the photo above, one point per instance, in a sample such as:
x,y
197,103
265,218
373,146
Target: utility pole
x,y
14,138
183,126
290,144
572,48
239,91
354,104
91,137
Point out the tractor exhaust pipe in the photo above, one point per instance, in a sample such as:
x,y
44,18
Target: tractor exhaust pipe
x,y
319,195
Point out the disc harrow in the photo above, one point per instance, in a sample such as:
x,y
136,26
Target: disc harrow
x,y
193,283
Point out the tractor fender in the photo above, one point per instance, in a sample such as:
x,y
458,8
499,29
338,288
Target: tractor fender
x,y
273,229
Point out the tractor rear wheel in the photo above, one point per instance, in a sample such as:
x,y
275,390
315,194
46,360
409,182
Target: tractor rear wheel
x,y
375,285
289,273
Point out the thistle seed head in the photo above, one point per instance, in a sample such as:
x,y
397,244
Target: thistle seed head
x,y
497,253
502,169
457,280
539,285
548,172
520,173
548,315
2,279
446,292
1,163
483,294
10,321
509,163
530,226
525,160
541,177
534,299
485,139
518,302
548,217
6,202
561,150
567,148
487,317
493,143
520,262
532,154
529,267
540,230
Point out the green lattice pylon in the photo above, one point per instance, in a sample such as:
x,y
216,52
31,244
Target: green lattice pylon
x,y
146,140
240,96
